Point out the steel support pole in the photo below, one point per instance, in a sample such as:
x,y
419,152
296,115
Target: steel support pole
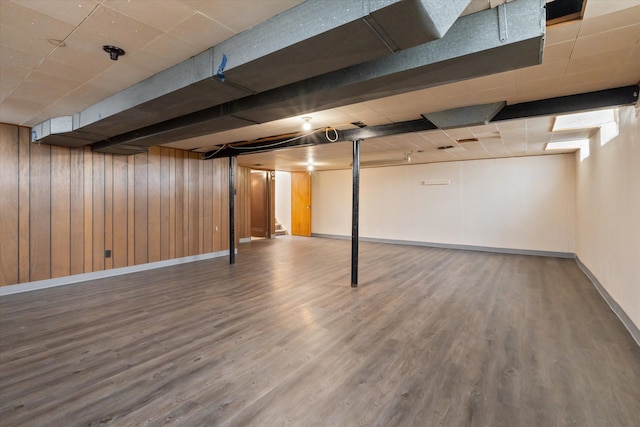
x,y
355,213
232,211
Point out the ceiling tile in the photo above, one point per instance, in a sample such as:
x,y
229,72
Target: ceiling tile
x,y
602,42
233,14
546,71
200,32
111,27
492,81
619,19
74,55
163,16
118,77
597,8
171,48
558,52
69,72
563,32
35,23
505,93
70,11
143,59
612,58
18,111
18,58
82,97
24,41
591,74
10,75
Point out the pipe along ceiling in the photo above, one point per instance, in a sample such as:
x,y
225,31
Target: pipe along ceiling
x,y
373,49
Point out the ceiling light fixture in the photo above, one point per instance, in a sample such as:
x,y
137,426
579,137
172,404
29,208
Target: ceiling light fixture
x,y
574,144
307,123
113,51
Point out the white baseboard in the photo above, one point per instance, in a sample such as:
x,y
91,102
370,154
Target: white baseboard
x,y
67,280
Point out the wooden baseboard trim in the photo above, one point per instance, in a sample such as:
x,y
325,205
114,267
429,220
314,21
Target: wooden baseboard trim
x,y
68,280
615,307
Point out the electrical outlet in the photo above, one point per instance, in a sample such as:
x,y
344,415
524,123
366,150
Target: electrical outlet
x,y
107,253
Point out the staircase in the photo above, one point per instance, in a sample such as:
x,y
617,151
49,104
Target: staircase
x,y
280,230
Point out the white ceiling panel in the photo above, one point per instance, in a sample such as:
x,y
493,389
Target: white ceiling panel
x,y
163,15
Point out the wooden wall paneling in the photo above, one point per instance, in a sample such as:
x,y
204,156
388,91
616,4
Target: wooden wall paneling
x,y
131,212
76,213
120,211
40,212
88,210
9,203
186,203
108,209
246,203
215,203
24,194
179,194
223,235
98,211
172,203
60,211
140,207
165,197
200,207
194,200
242,203
154,204
208,206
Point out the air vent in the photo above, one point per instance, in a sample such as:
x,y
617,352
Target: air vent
x,y
463,140
564,10
359,124
446,147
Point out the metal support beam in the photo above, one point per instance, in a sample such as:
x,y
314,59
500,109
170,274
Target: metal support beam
x,y
625,95
355,213
232,211
287,141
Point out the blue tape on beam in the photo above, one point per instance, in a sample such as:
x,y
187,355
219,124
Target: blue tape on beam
x,y
223,64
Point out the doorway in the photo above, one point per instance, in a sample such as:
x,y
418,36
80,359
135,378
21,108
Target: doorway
x,y
262,204
301,204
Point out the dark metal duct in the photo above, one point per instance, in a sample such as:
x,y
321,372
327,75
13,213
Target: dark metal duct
x,y
313,38
488,42
465,116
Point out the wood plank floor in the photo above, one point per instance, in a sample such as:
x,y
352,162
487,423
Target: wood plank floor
x,y
431,337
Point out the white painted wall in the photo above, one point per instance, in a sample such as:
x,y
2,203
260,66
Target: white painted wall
x,y
515,203
283,199
608,213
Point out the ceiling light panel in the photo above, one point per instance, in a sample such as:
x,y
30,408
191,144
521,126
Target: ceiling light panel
x,y
589,119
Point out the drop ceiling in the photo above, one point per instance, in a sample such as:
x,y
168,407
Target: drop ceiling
x,y
52,64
